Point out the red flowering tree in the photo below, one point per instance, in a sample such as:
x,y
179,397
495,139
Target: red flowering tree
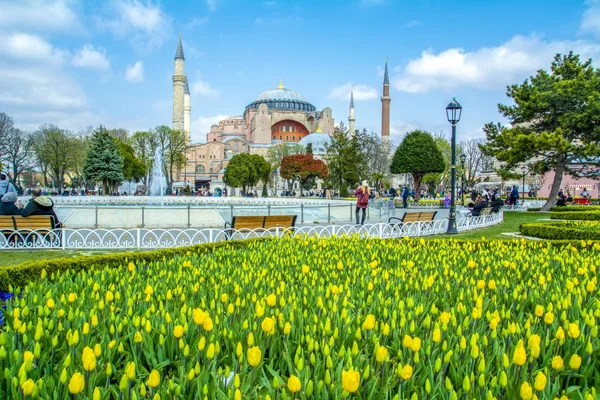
x,y
303,168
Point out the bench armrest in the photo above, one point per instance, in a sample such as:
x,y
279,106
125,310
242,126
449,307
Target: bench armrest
x,y
400,220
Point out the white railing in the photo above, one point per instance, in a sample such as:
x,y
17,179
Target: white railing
x,y
199,200
141,238
470,223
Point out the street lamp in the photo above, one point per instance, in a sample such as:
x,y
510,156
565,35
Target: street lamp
x,y
462,157
453,111
524,170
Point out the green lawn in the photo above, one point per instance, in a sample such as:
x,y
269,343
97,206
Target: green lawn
x,y
512,220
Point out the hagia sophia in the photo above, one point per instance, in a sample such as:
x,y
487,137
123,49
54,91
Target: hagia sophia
x,y
277,116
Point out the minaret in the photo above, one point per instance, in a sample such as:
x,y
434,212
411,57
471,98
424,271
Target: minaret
x,y
179,89
351,118
186,111
385,106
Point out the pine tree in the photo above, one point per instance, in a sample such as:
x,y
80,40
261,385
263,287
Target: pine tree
x,y
103,162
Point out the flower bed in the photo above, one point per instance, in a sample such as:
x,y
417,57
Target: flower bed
x,y
585,230
308,318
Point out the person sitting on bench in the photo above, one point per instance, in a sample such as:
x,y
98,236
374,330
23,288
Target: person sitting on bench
x,y
479,206
40,205
8,206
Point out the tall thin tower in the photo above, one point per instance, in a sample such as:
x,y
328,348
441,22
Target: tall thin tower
x,y
351,118
385,106
186,112
179,80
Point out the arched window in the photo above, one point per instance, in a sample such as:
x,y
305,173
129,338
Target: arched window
x,y
244,147
235,146
280,137
293,138
293,128
287,127
274,137
287,138
200,169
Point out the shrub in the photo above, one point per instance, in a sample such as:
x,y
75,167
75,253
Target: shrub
x,y
560,231
574,216
21,274
575,208
534,209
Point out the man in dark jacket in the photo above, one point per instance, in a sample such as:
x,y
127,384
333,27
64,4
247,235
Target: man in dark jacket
x,y
8,206
405,194
479,206
40,205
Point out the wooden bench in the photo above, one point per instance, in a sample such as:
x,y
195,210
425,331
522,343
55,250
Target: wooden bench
x,y
260,223
425,216
41,224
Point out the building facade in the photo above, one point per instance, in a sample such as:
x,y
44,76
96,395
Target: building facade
x,y
277,116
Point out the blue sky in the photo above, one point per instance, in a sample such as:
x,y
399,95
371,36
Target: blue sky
x,y
81,63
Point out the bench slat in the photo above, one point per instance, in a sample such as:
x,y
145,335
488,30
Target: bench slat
x,y
427,216
247,222
34,222
279,221
411,217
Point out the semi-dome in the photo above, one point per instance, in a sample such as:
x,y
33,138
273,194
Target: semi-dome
x,y
283,99
319,142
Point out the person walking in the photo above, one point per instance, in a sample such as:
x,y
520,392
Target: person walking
x,y
514,196
5,185
405,194
362,202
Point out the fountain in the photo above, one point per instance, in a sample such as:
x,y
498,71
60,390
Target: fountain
x,y
158,182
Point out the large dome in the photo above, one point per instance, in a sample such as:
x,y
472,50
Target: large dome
x,y
283,99
280,94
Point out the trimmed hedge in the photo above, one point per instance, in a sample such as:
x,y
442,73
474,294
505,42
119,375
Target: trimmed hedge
x,y
557,231
575,208
19,275
576,215
534,208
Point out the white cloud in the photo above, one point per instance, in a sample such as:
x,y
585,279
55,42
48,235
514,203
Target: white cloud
x,y
361,92
39,15
90,57
590,21
30,48
144,23
196,21
203,88
487,67
201,126
135,72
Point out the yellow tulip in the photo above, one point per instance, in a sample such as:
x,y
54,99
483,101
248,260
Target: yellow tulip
x,y
526,392
350,380
77,383
27,387
294,384
540,381
154,379
254,356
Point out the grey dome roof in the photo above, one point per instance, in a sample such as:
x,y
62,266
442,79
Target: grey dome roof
x,y
280,94
283,99
319,142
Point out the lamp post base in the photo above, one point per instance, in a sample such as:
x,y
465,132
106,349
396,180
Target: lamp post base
x,y
452,224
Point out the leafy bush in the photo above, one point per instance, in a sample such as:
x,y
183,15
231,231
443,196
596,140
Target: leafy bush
x,y
19,275
576,215
575,208
534,208
561,231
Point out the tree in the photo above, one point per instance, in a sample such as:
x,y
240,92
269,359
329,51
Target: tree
x,y
16,147
344,160
376,156
144,144
309,149
417,155
303,168
439,179
103,162
133,169
53,149
276,153
553,122
172,144
245,171
475,161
